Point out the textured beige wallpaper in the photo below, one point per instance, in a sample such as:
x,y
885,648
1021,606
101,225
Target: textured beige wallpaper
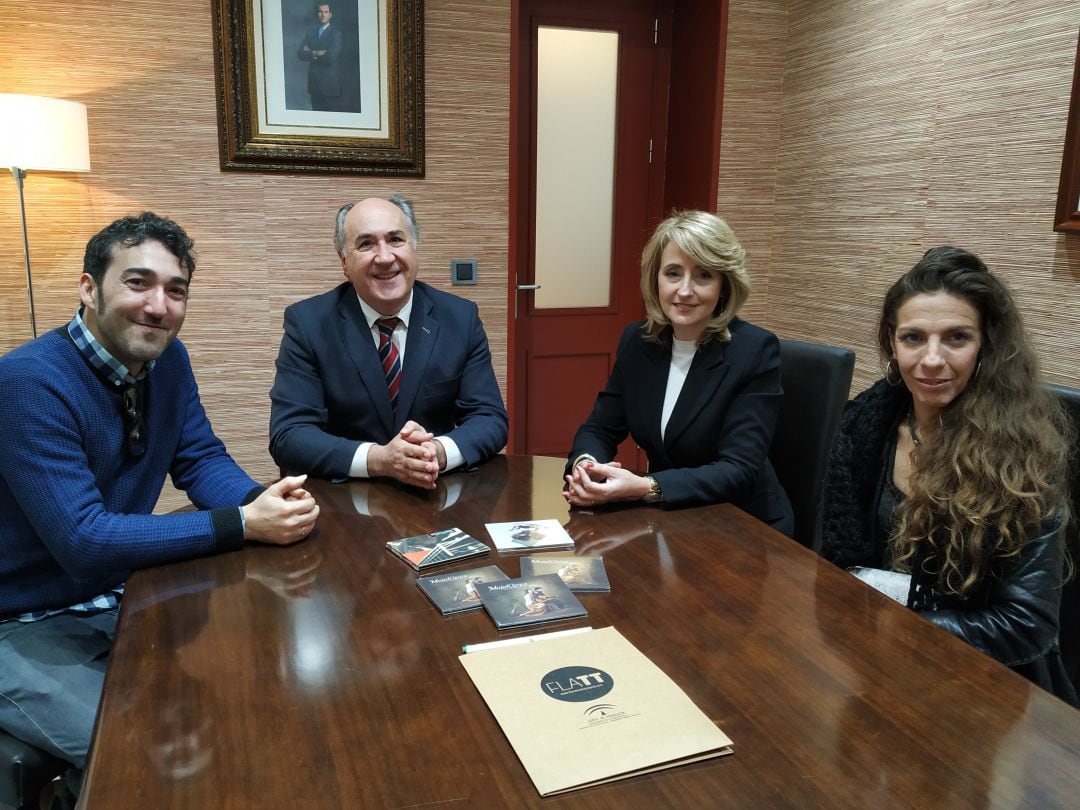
x,y
859,133
263,240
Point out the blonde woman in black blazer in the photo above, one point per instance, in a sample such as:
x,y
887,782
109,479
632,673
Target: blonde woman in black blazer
x,y
696,387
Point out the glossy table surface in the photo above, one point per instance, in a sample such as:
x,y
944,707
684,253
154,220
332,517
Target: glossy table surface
x,y
319,675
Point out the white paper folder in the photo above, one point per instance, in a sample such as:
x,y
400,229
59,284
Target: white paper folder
x,y
589,708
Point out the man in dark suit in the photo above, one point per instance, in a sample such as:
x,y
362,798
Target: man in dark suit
x,y
384,375
322,49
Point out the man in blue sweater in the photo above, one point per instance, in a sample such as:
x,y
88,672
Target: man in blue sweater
x,y
98,412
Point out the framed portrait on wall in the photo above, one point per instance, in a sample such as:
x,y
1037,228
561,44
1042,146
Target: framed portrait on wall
x,y
321,87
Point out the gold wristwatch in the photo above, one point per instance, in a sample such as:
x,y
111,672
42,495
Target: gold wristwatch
x,y
655,494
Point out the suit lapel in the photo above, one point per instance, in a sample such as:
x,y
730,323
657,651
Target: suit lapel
x,y
423,333
707,372
360,346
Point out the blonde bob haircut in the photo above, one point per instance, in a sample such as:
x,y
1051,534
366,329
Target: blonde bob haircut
x,y
711,244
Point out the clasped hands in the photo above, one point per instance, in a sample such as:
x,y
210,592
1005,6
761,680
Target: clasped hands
x,y
284,513
591,483
414,456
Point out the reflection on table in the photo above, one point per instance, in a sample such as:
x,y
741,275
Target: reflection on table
x,y
320,676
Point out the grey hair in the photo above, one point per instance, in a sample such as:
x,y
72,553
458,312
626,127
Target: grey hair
x,y
400,200
406,206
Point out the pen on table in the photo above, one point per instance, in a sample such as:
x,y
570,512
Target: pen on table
x,y
508,642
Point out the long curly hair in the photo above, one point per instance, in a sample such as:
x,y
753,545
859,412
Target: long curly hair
x,y
999,466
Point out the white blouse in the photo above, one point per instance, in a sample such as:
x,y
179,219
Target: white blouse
x,y
682,355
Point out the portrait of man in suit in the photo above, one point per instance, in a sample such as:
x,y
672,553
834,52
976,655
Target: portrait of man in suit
x,y
322,49
384,376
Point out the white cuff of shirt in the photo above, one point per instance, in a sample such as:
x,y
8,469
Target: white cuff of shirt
x,y
358,468
454,459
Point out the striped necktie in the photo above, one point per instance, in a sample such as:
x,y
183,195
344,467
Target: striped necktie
x,y
391,361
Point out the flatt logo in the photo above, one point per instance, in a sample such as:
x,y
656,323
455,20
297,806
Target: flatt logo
x,y
576,684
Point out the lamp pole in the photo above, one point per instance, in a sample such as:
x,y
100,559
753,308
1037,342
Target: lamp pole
x,y
51,136
19,174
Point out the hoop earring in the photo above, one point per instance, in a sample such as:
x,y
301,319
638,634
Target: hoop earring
x,y
978,368
891,369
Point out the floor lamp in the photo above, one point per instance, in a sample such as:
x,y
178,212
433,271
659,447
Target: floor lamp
x,y
42,134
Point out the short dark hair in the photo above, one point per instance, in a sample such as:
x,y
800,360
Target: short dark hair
x,y
134,230
324,3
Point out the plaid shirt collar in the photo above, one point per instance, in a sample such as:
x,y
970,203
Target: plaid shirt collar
x,y
98,356
110,600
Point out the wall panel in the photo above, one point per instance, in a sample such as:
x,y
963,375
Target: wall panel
x,y
146,73
750,142
857,134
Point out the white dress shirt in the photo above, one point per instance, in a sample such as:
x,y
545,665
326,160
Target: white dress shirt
x,y
358,468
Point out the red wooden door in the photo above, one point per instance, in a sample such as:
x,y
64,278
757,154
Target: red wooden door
x,y
563,355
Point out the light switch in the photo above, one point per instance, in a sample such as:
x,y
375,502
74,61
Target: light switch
x,y
462,271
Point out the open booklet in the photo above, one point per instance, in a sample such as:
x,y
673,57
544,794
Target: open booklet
x,y
581,709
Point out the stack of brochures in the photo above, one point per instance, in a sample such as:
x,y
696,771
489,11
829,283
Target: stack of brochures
x,y
447,545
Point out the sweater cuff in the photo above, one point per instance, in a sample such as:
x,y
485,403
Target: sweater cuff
x,y
254,493
228,528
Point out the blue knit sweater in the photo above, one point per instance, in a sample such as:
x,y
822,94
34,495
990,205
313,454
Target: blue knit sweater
x,y
75,509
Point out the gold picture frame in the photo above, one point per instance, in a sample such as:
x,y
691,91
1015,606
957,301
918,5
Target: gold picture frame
x,y
1067,213
291,101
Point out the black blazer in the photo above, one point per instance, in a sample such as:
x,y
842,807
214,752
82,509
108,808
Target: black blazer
x,y
329,394
717,441
1013,615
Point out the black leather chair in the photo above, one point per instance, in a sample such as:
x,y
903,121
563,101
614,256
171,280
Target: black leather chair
x,y
816,380
1070,597
24,771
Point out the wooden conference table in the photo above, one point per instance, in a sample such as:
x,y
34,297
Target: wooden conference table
x,y
319,676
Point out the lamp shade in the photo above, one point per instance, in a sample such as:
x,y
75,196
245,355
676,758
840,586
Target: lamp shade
x,y
48,134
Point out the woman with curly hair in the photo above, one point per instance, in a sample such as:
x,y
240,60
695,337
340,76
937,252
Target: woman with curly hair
x,y
953,469
696,387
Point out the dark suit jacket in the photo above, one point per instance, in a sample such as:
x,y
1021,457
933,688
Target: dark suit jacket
x,y
717,441
330,394
323,77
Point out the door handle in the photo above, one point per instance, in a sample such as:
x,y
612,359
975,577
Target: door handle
x,y
528,287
